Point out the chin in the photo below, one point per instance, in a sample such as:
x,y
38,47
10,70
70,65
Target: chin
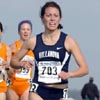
x,y
52,29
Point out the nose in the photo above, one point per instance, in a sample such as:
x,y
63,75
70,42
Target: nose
x,y
52,17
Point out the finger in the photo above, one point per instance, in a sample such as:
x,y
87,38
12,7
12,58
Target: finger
x,y
59,76
27,66
31,63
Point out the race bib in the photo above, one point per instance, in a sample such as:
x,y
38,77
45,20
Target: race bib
x,y
25,73
1,74
48,71
33,87
65,94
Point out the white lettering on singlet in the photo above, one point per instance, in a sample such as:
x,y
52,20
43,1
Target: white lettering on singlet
x,y
53,54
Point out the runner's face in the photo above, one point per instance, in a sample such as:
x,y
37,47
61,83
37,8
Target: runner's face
x,y
25,31
51,18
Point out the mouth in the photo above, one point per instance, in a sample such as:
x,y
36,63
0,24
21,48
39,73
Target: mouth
x,y
26,35
52,23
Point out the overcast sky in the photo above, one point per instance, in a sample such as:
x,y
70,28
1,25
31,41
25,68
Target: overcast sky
x,y
80,19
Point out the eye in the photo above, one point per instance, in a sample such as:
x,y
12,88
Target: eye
x,y
56,15
47,15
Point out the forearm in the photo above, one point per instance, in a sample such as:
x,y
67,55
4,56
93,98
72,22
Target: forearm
x,y
78,73
15,64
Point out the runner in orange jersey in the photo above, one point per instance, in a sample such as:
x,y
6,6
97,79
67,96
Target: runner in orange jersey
x,y
20,84
5,56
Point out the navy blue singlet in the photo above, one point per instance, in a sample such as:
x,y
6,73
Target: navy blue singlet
x,y
50,61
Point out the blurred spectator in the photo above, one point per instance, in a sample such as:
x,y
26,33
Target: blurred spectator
x,y
90,91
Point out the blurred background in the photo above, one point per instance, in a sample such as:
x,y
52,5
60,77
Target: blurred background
x,y
80,19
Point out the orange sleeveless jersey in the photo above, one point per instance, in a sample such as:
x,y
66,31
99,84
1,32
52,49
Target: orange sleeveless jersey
x,y
3,57
23,74
20,80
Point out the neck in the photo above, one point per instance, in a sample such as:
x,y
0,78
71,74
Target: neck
x,y
51,33
50,38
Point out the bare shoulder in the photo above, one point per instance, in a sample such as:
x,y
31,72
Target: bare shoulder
x,y
12,47
30,43
70,43
8,50
70,39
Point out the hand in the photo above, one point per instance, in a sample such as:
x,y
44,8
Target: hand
x,y
26,64
64,75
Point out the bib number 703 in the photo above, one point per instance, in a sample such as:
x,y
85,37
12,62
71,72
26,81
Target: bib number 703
x,y
49,70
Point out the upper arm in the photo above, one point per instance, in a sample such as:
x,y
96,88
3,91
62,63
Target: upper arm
x,y
8,54
72,46
27,45
13,48
21,53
